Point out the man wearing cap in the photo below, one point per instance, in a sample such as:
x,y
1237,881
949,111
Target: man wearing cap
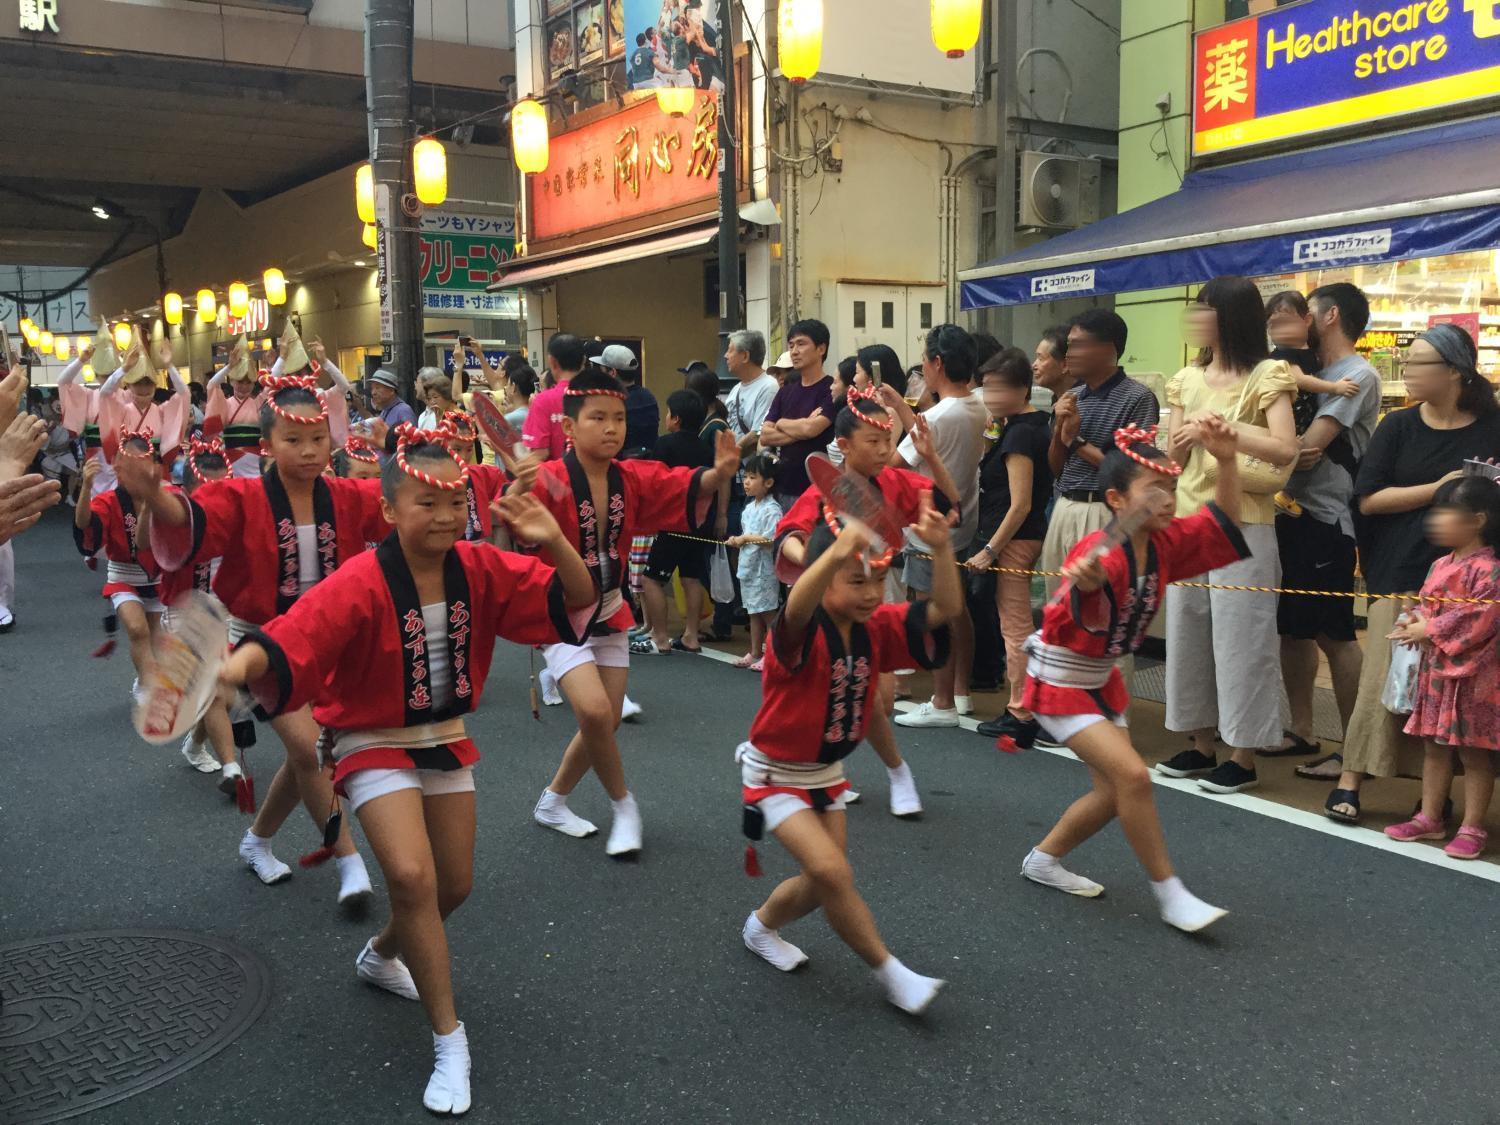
x,y
642,414
391,407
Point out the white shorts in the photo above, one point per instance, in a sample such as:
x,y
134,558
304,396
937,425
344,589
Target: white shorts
x,y
150,605
778,806
609,651
365,785
1063,727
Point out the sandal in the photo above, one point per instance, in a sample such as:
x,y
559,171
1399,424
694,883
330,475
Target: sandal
x,y
745,661
1469,843
1338,798
645,646
1419,827
1327,768
679,646
1298,747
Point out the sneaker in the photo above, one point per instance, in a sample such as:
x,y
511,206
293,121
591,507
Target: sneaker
x,y
1469,843
1419,827
962,705
227,778
927,715
1229,777
1010,733
630,710
197,754
551,697
1190,763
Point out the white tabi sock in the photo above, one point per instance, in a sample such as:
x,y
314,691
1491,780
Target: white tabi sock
x,y
909,991
448,1088
1183,909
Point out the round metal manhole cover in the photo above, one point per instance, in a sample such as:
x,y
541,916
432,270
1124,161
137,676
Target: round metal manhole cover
x,y
90,1019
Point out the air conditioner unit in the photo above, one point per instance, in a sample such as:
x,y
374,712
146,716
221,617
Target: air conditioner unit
x,y
1056,192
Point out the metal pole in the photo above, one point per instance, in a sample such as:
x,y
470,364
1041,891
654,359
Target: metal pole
x,y
729,215
388,67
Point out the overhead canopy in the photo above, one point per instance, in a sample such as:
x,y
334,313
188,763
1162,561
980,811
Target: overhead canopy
x,y
546,267
1412,195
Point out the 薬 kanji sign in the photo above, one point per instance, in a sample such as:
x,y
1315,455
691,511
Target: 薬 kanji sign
x,y
1330,64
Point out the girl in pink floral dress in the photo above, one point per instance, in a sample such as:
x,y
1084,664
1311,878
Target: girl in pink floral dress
x,y
1458,683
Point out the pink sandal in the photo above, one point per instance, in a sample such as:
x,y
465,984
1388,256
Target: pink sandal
x,y
1419,827
1469,843
744,661
758,666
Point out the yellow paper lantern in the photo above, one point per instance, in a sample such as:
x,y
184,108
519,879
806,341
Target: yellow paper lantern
x,y
81,343
265,345
26,324
368,236
31,333
62,348
799,38
275,282
429,170
123,336
528,136
44,345
364,192
171,308
676,100
207,308
955,25
239,298
88,373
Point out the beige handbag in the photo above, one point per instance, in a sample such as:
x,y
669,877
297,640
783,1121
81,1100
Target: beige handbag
x,y
1260,478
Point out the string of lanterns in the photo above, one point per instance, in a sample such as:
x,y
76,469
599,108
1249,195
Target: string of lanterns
x,y
799,51
429,168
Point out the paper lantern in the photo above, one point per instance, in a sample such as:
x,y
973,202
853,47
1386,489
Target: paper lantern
x,y
676,100
81,343
206,305
239,298
265,345
123,336
88,373
429,170
275,282
364,192
799,38
528,136
368,236
26,324
62,348
44,345
171,308
955,25
31,333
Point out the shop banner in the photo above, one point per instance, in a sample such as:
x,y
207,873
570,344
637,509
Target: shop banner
x,y
493,355
667,44
1421,236
1327,64
631,164
459,255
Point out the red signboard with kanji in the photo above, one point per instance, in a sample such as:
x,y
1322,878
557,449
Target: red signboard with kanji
x,y
629,165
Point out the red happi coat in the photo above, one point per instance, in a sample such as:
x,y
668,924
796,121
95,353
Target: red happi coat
x,y
249,523
900,488
486,483
112,525
1112,620
354,646
645,497
816,699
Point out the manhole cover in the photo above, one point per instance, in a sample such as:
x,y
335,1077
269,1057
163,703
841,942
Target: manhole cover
x,y
90,1019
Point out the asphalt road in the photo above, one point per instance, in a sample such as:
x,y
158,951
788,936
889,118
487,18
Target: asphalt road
x,y
1347,984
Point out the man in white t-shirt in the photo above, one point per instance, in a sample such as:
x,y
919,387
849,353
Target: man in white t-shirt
x,y
956,422
750,398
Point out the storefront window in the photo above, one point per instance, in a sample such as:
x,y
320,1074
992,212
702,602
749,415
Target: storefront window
x,y
1406,297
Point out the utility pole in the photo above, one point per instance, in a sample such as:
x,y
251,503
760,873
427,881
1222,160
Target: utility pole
x,y
729,212
388,65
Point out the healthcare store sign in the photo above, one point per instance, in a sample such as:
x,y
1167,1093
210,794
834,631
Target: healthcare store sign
x,y
459,256
1329,64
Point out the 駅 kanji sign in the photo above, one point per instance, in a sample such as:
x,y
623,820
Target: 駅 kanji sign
x,y
1327,64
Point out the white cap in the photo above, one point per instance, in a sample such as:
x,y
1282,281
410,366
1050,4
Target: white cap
x,y
783,362
616,357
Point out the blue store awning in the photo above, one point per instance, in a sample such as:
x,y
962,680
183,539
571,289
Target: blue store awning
x,y
1412,195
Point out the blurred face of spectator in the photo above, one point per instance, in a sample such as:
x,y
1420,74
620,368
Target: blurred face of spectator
x,y
1048,370
1200,328
1426,376
1002,399
381,395
1288,330
1090,358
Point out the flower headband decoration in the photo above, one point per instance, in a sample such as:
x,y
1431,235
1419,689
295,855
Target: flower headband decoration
x,y
358,449
275,384
854,394
1126,436
213,447
462,424
408,435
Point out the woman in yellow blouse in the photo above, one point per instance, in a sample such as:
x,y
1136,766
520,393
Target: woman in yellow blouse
x,y
1223,665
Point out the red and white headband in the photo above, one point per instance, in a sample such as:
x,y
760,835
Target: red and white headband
x,y
409,435
591,391
854,394
275,384
358,449
213,447
462,425
128,435
1126,436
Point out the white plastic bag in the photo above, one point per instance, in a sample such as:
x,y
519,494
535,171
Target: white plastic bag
x,y
1399,696
720,577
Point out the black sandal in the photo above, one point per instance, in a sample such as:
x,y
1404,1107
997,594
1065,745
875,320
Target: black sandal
x,y
1297,749
1342,797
